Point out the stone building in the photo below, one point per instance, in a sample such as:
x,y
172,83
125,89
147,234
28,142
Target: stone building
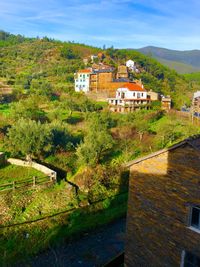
x,y
100,78
163,219
166,102
196,104
122,72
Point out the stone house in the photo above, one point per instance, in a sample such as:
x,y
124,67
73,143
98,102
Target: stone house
x,y
196,104
163,219
166,103
122,72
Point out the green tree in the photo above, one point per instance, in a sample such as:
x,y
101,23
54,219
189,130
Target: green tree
x,y
27,108
29,138
97,142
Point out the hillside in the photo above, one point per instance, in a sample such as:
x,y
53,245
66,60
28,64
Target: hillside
x,y
181,61
48,66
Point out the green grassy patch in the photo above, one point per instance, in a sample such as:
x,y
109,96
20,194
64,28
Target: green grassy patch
x,y
11,173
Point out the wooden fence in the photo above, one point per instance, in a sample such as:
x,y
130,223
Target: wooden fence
x,y
27,183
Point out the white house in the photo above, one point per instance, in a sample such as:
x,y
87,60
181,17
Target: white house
x,y
82,80
93,57
132,94
131,65
196,94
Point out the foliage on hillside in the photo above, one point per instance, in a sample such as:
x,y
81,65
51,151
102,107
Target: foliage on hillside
x,y
47,67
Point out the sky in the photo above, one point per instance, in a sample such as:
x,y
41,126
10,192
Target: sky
x,y
173,24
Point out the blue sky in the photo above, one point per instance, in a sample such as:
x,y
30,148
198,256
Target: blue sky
x,y
173,24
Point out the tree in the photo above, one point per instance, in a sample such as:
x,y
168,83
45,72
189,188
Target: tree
x,y
29,138
97,143
27,108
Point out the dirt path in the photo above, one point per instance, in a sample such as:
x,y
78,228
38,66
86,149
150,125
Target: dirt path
x,y
91,250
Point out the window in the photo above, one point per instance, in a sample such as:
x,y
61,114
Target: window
x,y
142,94
80,75
83,76
133,94
195,218
138,95
190,260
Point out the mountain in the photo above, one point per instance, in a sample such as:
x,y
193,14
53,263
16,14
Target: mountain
x,y
181,61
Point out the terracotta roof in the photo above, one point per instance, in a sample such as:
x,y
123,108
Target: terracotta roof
x,y
84,71
134,87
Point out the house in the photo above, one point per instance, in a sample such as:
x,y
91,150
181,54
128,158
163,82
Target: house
x,y
122,72
130,64
82,80
153,95
196,104
163,219
93,58
131,94
166,102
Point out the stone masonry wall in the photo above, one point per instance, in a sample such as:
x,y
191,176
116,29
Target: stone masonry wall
x,y
162,190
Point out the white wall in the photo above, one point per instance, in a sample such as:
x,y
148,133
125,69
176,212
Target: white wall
x,y
82,82
130,94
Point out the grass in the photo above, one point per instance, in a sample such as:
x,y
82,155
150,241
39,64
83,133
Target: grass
x,y
10,173
4,109
15,245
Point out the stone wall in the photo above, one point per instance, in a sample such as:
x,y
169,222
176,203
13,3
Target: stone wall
x,y
34,165
162,190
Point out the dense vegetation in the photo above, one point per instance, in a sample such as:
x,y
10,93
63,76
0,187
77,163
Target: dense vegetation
x,y
43,119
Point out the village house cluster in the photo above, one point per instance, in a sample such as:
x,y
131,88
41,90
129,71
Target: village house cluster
x,y
122,94
102,77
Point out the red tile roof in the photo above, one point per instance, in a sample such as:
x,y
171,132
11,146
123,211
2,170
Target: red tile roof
x,y
84,71
134,87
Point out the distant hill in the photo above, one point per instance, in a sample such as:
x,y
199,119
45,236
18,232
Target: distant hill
x,y
181,61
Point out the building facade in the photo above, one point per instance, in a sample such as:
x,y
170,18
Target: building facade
x,y
130,64
166,103
163,219
99,78
122,72
131,95
82,80
196,104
